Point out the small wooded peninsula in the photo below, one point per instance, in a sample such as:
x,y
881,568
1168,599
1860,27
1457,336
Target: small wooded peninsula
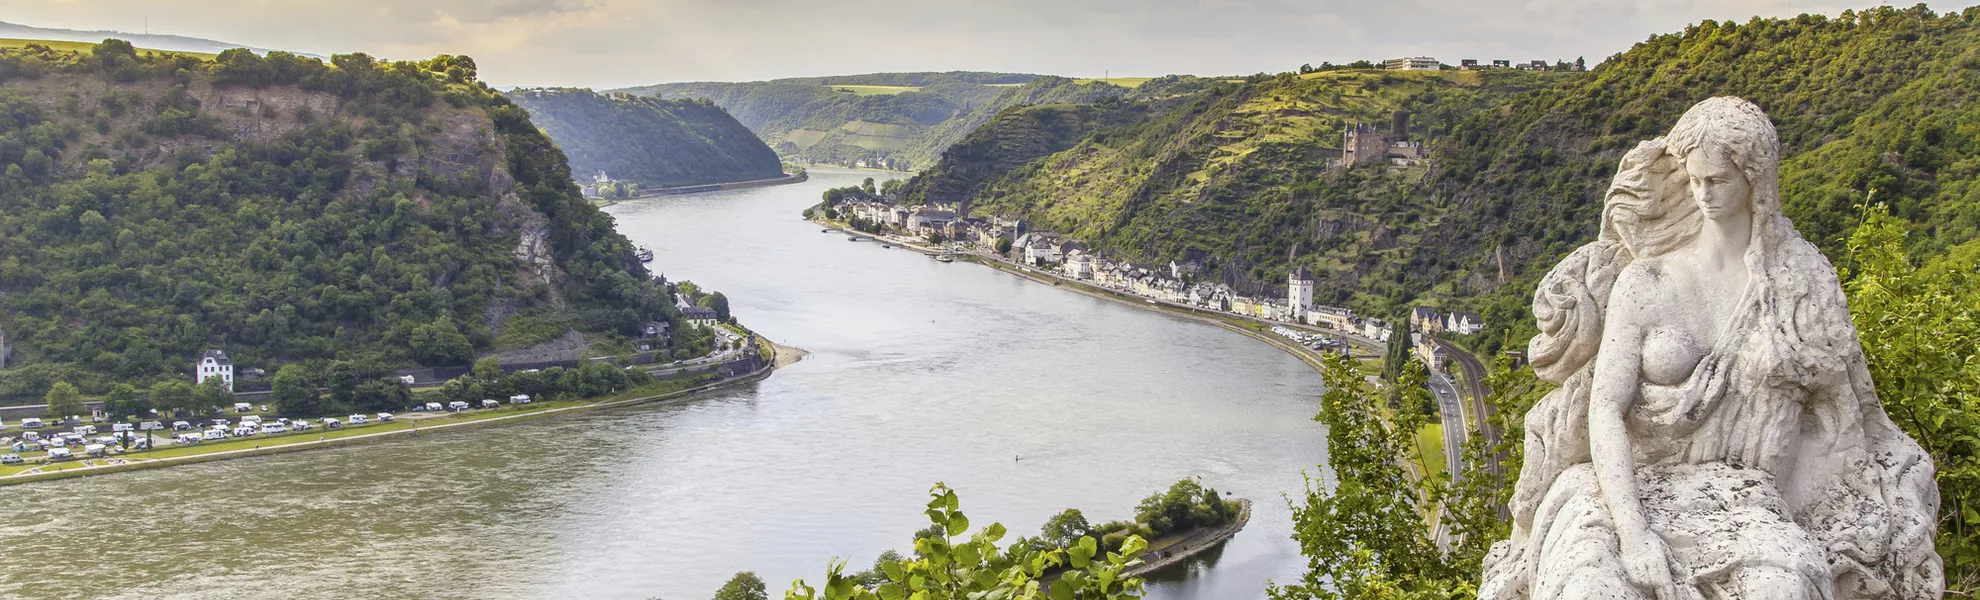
x,y
651,141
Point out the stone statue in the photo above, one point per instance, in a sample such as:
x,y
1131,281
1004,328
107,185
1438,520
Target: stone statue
x,y
1716,434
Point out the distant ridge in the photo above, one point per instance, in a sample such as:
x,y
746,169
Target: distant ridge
x,y
173,43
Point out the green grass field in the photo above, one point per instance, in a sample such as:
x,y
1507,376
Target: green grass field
x,y
1126,82
875,90
1430,442
85,46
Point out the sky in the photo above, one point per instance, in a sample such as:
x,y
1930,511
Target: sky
x,y
616,43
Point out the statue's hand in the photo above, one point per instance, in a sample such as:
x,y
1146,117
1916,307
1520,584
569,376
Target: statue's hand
x,y
1647,562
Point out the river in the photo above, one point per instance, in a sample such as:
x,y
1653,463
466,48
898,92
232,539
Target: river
x,y
1024,398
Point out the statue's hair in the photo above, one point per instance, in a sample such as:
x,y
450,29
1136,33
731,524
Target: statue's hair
x,y
1742,133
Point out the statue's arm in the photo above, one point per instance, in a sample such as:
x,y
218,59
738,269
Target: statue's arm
x,y
1618,366
1618,372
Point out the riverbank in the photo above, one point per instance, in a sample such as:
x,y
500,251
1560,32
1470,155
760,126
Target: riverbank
x,y
406,428
1192,544
788,178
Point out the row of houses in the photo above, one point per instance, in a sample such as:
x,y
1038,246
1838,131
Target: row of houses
x,y
1178,282
1424,318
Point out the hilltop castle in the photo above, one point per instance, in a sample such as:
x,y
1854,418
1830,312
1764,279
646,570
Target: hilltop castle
x,y
1363,143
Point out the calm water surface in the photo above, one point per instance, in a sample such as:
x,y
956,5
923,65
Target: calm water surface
x,y
1026,399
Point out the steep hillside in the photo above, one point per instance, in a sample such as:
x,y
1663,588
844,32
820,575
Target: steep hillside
x,y
1014,137
285,210
648,140
927,148
1881,99
905,119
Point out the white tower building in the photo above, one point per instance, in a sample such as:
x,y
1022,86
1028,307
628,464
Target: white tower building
x,y
1299,293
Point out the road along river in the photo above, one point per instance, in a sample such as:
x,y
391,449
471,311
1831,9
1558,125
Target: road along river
x,y
1025,398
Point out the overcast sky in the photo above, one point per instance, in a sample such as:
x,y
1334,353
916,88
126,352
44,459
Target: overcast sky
x,y
613,43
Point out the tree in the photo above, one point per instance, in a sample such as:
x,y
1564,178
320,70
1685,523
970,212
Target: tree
x,y
441,343
488,369
1004,246
947,568
1398,348
867,186
384,393
718,303
211,394
122,401
174,396
1065,529
295,392
744,586
65,401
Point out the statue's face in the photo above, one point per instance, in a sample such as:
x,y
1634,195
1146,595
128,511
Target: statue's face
x,y
1718,185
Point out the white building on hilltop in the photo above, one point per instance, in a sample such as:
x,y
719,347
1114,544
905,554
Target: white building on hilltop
x,y
1412,63
214,363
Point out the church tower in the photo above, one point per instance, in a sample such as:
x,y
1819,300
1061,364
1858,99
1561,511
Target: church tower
x,y
1299,292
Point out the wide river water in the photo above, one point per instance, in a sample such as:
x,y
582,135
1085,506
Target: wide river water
x,y
1024,398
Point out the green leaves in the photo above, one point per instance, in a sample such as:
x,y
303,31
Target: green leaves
x,y
978,569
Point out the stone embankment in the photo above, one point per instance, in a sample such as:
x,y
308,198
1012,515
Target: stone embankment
x,y
1190,547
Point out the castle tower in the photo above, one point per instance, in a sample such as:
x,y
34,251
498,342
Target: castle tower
x,y
1299,292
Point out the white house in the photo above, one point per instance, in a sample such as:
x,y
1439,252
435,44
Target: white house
x,y
1466,322
214,363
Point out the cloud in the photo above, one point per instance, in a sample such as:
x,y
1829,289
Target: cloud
x,y
608,43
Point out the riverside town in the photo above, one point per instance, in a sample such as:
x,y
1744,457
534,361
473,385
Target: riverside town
x,y
699,301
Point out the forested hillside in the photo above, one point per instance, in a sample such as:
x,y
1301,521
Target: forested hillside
x,y
648,140
904,118
1017,136
1875,100
388,213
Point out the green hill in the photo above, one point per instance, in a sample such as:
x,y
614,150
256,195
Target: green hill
x,y
394,213
648,140
906,119
1239,176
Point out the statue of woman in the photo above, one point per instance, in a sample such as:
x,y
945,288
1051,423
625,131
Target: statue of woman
x,y
1716,434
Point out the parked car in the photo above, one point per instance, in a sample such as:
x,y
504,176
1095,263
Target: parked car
x,y
332,423
60,454
11,459
140,444
274,428
433,406
457,405
181,426
245,430
214,435
357,420
31,423
186,438
384,417
407,379
519,399
300,425
490,403
243,407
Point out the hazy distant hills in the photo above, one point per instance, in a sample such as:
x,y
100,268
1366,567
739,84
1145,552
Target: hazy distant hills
x,y
176,43
653,141
903,120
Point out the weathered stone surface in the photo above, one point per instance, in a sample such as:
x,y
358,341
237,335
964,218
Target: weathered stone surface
x,y
1716,434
